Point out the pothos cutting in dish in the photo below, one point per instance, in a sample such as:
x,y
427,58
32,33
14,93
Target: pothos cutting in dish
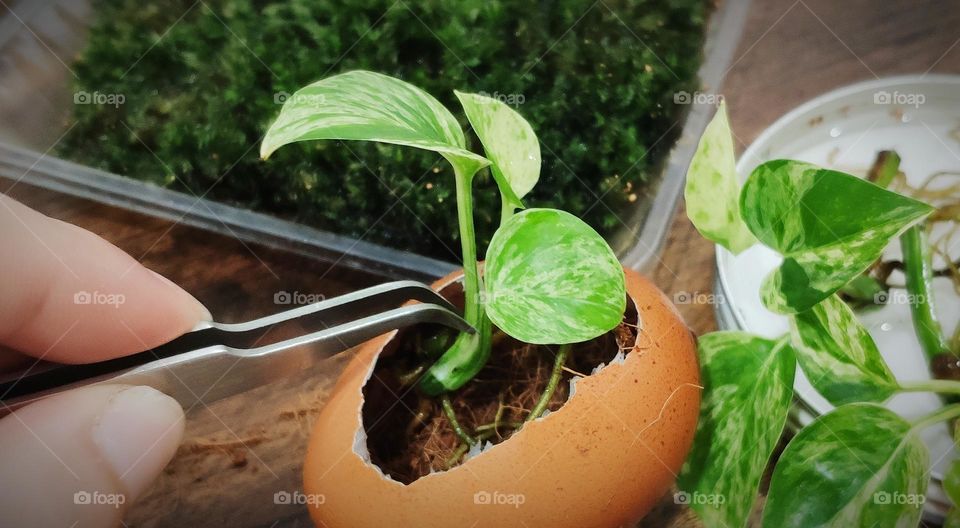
x,y
860,464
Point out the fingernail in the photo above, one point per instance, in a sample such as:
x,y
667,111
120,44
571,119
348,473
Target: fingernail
x,y
202,310
205,315
137,434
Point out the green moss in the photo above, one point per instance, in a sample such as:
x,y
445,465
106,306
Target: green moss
x,y
596,83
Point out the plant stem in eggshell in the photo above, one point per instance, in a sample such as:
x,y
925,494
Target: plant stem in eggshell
x,y
602,460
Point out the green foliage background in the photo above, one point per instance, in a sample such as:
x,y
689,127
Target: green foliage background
x,y
596,81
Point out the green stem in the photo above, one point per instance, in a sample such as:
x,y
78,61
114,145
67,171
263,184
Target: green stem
x,y
468,246
497,425
469,353
461,362
884,168
409,377
506,209
452,416
463,448
558,362
457,455
940,415
934,385
918,268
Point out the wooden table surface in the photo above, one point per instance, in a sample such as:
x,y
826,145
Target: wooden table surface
x,y
791,51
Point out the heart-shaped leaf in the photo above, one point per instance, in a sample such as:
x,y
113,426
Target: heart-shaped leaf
x,y
508,142
368,106
712,191
859,465
829,227
551,279
839,356
748,387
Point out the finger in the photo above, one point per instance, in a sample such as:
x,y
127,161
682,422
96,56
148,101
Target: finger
x,y
11,360
82,457
67,295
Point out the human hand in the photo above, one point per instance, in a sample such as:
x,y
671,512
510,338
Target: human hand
x,y
82,457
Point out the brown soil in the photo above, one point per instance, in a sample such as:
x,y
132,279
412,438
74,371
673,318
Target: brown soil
x,y
409,436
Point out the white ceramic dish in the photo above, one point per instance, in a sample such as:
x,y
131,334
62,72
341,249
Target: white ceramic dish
x,y
919,117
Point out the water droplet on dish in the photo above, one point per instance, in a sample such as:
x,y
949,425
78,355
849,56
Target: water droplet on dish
x,y
886,327
835,132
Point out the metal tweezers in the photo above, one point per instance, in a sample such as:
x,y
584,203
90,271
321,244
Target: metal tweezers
x,y
219,360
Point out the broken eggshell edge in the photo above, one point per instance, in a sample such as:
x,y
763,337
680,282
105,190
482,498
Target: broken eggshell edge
x,y
602,460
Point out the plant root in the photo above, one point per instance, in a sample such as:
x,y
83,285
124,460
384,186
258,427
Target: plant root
x,y
410,435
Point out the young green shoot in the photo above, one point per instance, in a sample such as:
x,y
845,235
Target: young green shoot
x,y
549,278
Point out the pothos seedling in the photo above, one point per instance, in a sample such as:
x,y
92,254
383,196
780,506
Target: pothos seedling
x,y
548,277
860,464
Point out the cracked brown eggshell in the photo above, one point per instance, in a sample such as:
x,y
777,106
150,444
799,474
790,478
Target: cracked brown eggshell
x,y
602,460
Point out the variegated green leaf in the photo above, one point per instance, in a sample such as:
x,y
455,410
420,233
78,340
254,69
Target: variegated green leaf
x,y
864,292
712,191
508,142
551,279
368,106
861,465
829,227
748,387
953,519
839,356
951,482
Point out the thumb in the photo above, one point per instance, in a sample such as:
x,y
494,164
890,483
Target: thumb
x,y
82,457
